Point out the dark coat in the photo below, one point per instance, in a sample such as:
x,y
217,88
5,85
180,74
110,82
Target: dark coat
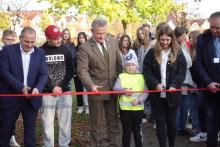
x,y
207,70
11,71
175,75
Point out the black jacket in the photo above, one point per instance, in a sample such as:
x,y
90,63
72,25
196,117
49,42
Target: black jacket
x,y
207,70
175,75
60,67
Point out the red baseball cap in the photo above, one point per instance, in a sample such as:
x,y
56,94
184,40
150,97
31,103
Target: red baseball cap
x,y
52,32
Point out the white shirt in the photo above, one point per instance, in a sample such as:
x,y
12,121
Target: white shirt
x,y
163,68
25,62
100,47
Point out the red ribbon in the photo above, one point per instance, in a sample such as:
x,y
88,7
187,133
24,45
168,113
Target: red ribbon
x,y
111,92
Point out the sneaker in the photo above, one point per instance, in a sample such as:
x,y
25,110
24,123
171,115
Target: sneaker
x,y
199,137
154,126
219,136
194,132
189,126
144,120
13,142
80,110
87,110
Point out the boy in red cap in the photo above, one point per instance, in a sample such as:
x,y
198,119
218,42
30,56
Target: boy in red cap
x,y
60,72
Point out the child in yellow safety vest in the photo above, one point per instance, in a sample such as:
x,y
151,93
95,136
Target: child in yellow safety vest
x,y
131,104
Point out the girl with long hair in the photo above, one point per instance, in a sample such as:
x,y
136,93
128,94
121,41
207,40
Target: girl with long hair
x,y
81,99
164,68
125,47
142,45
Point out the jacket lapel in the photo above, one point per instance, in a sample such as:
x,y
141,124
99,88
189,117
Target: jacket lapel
x,y
19,60
97,51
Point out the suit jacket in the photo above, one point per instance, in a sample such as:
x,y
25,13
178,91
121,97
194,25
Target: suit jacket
x,y
92,68
207,70
175,75
11,71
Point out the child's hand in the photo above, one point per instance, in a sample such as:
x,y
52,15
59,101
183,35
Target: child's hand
x,y
135,102
129,91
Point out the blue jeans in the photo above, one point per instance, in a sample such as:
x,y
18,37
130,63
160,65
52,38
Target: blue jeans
x,y
189,103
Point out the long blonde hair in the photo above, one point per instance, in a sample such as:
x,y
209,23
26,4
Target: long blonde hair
x,y
193,42
165,29
138,42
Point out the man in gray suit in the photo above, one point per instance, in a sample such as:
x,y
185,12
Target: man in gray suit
x,y
98,64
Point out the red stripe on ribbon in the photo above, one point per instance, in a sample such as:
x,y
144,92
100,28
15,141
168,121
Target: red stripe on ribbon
x,y
111,92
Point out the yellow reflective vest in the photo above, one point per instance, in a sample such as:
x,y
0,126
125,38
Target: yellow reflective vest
x,y
136,83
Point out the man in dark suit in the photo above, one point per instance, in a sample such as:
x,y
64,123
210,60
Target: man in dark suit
x,y
10,37
23,70
98,63
207,64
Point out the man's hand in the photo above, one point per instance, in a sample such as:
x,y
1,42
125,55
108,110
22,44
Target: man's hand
x,y
35,91
26,89
95,87
213,86
160,87
172,89
57,90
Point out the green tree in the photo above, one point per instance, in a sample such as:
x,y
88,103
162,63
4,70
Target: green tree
x,y
45,20
5,21
126,11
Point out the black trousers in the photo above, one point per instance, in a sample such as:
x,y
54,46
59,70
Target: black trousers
x,y
165,121
131,123
13,130
212,101
79,88
9,117
202,111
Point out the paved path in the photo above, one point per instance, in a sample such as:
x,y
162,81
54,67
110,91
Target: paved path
x,y
150,139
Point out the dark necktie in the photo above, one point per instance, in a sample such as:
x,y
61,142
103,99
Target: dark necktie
x,y
104,51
